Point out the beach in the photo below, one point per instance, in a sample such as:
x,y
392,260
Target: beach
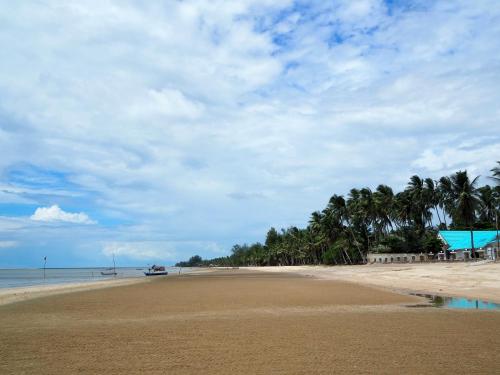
x,y
243,322
475,280
18,294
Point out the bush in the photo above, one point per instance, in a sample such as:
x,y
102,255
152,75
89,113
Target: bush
x,y
393,244
329,256
432,243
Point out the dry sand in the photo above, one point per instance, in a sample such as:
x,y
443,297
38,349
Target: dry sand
x,y
243,322
479,280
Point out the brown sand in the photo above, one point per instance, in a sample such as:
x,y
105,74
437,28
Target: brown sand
x,y
17,294
243,322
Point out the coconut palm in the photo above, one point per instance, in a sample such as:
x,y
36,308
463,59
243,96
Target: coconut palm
x,y
432,197
383,199
496,173
317,235
487,204
421,203
337,207
334,216
464,196
402,209
445,189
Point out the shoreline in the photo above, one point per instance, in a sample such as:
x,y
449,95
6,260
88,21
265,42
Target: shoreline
x,y
472,281
25,293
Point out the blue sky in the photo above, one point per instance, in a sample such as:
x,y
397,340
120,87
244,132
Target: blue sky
x,y
156,130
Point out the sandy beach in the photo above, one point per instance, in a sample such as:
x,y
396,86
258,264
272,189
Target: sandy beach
x,y
12,295
473,280
243,322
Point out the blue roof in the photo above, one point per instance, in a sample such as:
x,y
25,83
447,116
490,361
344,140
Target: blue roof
x,y
460,239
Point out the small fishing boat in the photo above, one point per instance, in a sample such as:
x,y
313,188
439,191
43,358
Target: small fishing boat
x,y
156,271
110,271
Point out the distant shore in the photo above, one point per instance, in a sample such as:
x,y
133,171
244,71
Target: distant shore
x,y
471,280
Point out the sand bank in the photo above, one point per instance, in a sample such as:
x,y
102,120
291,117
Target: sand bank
x,y
471,280
243,322
17,294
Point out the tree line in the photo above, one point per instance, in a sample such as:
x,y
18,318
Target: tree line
x,y
376,221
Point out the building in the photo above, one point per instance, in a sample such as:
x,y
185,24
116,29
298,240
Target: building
x,y
397,258
458,243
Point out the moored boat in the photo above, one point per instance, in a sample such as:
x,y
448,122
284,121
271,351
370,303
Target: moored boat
x,y
110,271
156,271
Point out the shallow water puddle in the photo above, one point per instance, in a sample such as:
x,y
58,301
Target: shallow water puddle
x,y
457,302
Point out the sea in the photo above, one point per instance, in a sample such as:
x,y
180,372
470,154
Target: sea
x,y
18,277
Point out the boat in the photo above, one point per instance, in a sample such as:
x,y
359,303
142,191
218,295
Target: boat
x,y
156,271
110,271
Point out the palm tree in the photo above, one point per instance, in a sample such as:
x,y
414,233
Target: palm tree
x,y
384,199
333,222
318,238
432,198
402,209
446,197
486,204
496,173
464,196
337,207
421,202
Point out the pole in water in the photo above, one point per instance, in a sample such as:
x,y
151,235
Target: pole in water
x,y
44,264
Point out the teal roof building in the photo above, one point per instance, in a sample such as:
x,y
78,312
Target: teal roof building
x,y
460,239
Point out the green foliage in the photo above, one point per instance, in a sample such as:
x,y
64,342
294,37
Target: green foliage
x,y
392,243
432,243
329,256
496,173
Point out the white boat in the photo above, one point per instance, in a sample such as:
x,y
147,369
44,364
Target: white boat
x,y
156,271
110,271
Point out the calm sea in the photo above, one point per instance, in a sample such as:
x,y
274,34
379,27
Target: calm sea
x,y
10,278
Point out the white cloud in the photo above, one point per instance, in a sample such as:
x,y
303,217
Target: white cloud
x,y
136,250
166,251
8,244
56,214
475,156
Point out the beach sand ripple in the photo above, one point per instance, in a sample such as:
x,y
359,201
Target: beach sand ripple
x,y
243,322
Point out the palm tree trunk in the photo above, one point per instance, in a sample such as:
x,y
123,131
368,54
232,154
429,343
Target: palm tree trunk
x,y
343,257
439,217
356,244
347,255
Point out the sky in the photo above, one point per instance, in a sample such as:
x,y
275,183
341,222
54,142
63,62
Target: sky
x,y
156,130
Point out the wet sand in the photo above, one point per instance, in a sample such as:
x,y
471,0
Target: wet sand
x,y
17,294
243,322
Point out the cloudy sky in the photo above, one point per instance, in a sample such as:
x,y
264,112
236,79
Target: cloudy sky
x,y
154,130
